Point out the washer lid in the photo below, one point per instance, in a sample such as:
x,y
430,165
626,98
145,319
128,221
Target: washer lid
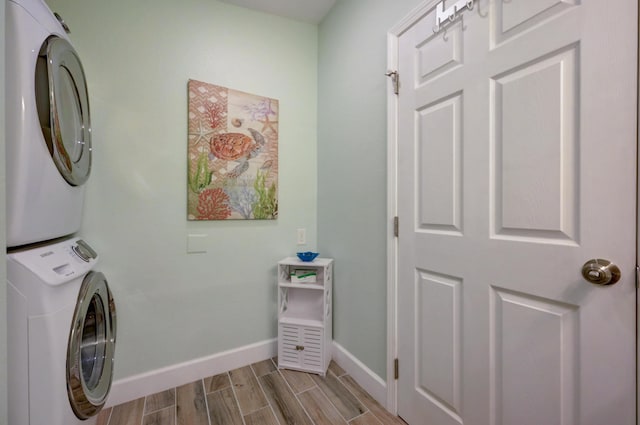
x,y
66,127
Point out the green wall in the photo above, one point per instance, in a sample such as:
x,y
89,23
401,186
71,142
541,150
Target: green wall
x,y
138,56
330,81
352,164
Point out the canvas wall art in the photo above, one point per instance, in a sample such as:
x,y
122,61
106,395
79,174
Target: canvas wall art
x,y
233,154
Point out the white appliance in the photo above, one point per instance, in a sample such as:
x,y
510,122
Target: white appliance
x,y
48,146
61,340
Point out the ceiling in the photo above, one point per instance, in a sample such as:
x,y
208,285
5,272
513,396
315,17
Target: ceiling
x,y
311,11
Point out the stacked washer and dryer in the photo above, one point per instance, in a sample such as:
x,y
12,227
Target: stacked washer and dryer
x,y
61,314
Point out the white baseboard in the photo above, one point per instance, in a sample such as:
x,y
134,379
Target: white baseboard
x,y
133,387
147,383
364,376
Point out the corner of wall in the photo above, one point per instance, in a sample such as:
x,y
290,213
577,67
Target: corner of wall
x,y
365,377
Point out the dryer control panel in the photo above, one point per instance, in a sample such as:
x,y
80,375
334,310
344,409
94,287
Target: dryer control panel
x,y
59,262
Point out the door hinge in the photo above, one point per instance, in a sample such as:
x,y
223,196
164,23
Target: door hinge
x,y
395,80
637,277
395,369
396,226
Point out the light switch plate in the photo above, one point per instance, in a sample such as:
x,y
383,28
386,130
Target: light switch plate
x,y
196,244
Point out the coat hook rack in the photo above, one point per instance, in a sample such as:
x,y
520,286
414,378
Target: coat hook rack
x,y
451,13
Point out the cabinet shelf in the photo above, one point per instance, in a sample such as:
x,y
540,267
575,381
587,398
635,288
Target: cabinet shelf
x,y
293,320
301,285
295,261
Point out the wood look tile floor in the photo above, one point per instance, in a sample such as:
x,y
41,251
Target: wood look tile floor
x,y
258,394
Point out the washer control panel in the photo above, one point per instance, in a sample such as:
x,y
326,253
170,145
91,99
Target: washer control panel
x,y
59,262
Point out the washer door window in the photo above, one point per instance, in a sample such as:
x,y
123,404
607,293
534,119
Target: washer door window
x,y
91,347
63,109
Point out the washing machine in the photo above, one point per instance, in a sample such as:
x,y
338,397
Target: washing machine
x,y
48,130
61,337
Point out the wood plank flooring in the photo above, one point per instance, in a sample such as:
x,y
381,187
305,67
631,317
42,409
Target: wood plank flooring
x,y
258,394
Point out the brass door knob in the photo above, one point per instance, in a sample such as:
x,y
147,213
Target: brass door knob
x,y
600,272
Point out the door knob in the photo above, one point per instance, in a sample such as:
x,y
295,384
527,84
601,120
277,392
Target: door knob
x,y
600,272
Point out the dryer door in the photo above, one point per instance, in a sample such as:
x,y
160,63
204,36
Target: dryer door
x,y
91,347
63,109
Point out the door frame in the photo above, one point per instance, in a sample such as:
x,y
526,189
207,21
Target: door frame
x,y
393,36
638,233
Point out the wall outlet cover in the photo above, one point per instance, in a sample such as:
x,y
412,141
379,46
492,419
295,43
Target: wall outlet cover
x,y
302,236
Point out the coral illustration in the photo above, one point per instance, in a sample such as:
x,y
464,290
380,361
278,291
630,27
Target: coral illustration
x,y
260,110
213,204
216,114
241,198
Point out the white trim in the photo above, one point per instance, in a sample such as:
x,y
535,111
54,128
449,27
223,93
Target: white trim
x,y
414,16
638,238
392,195
151,382
365,377
392,242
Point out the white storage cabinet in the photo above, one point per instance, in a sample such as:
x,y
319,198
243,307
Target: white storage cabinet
x,y
305,316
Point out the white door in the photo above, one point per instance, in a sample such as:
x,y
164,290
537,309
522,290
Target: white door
x,y
517,164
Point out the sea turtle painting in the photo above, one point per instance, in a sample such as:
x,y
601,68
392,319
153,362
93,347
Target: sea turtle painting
x,y
232,154
237,147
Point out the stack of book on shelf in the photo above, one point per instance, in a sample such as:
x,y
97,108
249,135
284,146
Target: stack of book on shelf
x,y
303,276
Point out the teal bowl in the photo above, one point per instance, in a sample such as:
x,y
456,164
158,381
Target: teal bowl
x,y
307,256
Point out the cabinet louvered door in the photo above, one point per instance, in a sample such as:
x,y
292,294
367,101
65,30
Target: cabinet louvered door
x,y
312,348
301,347
288,351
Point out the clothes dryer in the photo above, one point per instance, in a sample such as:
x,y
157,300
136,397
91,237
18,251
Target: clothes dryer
x,y
48,144
61,334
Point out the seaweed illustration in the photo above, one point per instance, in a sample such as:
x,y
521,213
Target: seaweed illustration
x,y
267,204
201,177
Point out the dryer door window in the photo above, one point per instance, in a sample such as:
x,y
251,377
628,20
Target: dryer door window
x,y
91,347
63,109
